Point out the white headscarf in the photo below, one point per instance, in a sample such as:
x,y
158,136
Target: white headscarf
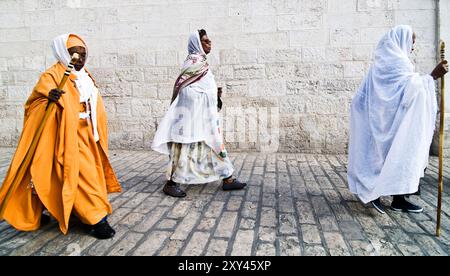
x,y
392,57
59,48
84,83
392,122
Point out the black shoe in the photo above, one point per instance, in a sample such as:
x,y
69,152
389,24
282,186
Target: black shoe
x,y
101,230
377,205
172,189
400,204
45,219
235,185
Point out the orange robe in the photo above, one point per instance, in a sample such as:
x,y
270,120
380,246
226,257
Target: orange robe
x,y
69,171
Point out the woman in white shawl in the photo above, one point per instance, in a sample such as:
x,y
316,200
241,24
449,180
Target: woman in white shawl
x,y
392,123
190,131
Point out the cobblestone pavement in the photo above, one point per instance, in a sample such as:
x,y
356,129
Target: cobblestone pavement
x,y
295,204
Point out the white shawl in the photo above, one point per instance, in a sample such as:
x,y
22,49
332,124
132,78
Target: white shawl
x,y
392,122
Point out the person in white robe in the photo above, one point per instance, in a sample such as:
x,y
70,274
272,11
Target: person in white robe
x,y
190,131
392,124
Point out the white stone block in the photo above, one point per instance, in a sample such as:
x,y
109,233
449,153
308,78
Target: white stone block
x,y
425,50
130,75
123,107
229,56
166,58
126,60
354,69
376,19
34,63
12,20
108,15
236,89
310,38
281,71
6,78
235,56
30,5
363,52
155,74
300,21
265,40
334,54
108,61
18,93
145,90
254,8
314,54
8,125
145,57
223,72
248,56
10,5
414,4
141,107
49,4
117,89
159,108
279,55
287,6
416,18
370,5
329,71
339,6
165,91
300,87
314,5
268,88
26,77
15,63
41,18
292,105
104,75
173,72
260,24
3,64
121,30
219,25
14,34
344,37
131,14
372,35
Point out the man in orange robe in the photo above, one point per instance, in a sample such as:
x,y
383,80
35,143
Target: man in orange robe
x,y
70,171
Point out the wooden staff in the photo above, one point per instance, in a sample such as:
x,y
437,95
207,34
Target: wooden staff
x,y
30,153
441,146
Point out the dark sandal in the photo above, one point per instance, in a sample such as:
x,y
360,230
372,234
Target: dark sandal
x,y
235,185
101,230
172,189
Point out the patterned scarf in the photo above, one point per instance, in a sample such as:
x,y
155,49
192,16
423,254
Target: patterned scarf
x,y
195,67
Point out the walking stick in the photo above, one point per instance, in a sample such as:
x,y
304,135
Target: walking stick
x,y
441,146
30,153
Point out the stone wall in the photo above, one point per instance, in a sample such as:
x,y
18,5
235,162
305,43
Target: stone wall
x,y
288,67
